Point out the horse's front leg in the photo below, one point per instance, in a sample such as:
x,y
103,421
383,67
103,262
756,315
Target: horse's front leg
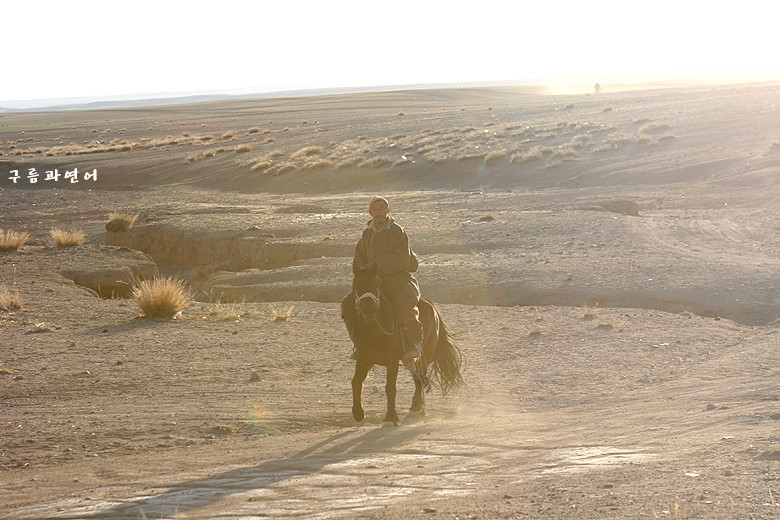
x,y
418,400
390,391
361,372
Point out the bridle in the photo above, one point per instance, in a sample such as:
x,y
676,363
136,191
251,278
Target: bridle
x,y
376,298
367,295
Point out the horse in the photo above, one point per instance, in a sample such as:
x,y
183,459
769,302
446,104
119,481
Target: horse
x,y
377,338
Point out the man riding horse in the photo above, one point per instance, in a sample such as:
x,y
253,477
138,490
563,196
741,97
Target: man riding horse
x,y
384,244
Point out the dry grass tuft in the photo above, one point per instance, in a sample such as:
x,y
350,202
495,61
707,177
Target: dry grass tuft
x,y
227,311
9,301
282,314
262,165
653,128
308,151
12,240
120,222
219,310
67,238
376,162
161,297
495,156
589,314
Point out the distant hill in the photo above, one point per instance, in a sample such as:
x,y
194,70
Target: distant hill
x,y
582,84
141,100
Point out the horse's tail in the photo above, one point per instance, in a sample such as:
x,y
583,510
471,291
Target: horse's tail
x,y
447,362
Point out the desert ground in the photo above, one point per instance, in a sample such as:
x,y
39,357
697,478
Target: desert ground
x,y
608,264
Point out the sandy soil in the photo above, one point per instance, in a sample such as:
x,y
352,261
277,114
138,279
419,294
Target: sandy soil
x,y
619,365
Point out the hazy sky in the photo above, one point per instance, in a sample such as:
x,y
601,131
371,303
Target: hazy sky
x,y
91,48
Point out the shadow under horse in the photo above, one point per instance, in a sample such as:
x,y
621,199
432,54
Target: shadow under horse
x,y
378,340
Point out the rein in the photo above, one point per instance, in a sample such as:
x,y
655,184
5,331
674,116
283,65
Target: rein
x,y
378,306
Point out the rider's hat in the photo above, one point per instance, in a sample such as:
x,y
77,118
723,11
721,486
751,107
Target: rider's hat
x,y
376,199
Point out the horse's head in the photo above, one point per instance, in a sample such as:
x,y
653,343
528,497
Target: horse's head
x,y
366,288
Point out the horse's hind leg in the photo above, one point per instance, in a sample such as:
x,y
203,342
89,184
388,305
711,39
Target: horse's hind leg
x,y
418,400
361,372
390,391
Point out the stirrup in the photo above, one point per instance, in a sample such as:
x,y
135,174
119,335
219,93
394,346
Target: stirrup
x,y
411,364
411,360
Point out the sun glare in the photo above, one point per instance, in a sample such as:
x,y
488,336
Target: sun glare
x,y
358,44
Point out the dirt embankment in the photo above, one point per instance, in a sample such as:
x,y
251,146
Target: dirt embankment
x,y
643,251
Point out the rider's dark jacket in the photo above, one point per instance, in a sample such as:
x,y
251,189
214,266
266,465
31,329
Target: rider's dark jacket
x,y
388,248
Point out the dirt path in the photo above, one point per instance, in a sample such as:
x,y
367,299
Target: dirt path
x,y
648,411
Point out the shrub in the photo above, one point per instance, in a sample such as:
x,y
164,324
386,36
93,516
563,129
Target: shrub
x,y
653,128
161,297
121,222
350,162
262,165
69,238
283,168
12,240
9,301
565,152
323,163
308,151
495,155
376,162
